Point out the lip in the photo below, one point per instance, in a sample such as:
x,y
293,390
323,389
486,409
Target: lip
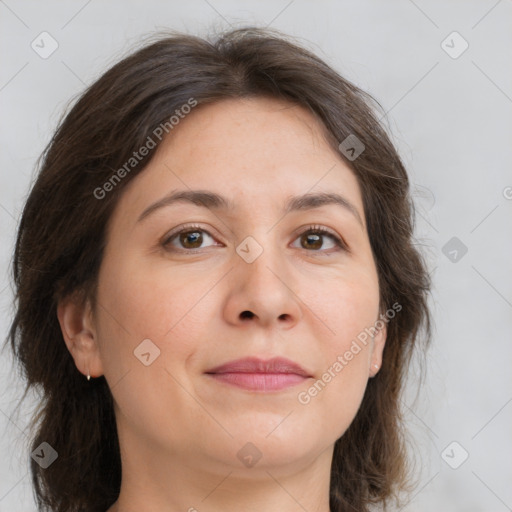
x,y
257,374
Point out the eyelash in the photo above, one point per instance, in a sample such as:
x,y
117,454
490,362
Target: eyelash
x,y
314,229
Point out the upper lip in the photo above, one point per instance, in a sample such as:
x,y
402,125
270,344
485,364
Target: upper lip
x,y
257,365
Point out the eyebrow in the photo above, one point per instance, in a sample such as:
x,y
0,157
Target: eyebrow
x,y
214,201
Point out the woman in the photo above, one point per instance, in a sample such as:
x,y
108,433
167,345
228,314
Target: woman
x,y
218,291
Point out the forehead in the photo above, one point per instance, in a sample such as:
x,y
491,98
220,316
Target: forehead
x,y
258,125
257,151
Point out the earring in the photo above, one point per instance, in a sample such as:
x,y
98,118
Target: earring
x,y
376,366
88,376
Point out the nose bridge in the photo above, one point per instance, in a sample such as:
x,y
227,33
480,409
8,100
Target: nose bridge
x,y
263,284
261,260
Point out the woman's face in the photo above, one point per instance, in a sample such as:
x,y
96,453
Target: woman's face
x,y
250,280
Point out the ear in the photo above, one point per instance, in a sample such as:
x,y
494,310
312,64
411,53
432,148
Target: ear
x,y
379,341
79,333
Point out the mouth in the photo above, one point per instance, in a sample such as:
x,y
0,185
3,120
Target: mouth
x,y
256,374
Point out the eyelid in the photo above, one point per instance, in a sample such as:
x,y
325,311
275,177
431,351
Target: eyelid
x,y
186,227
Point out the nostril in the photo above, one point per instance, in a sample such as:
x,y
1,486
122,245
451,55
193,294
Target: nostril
x,y
246,314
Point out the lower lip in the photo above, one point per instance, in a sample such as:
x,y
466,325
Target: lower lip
x,y
260,381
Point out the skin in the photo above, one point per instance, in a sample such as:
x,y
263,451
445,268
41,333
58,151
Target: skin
x,y
179,429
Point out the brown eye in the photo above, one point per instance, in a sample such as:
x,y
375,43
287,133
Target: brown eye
x,y
189,238
313,239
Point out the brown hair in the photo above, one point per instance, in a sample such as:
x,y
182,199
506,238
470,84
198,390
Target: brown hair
x,y
61,239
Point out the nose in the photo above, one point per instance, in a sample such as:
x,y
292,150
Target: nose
x,y
263,292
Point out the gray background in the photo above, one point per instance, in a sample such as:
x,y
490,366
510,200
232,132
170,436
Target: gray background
x,y
451,121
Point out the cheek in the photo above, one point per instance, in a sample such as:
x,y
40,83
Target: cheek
x,y
137,304
140,301
349,309
346,306
145,301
